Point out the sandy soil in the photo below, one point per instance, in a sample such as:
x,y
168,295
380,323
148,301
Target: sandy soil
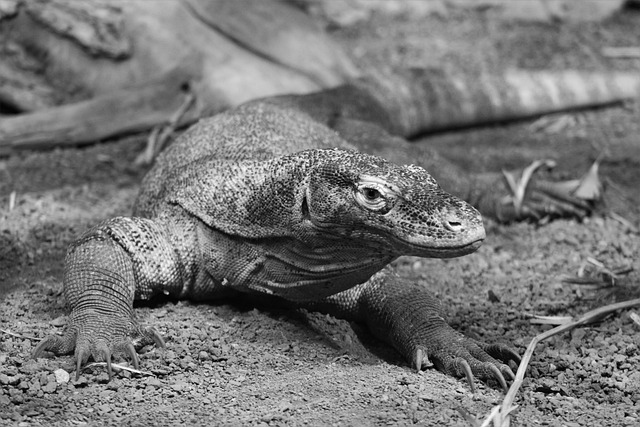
x,y
231,364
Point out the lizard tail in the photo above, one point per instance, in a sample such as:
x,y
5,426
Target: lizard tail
x,y
422,101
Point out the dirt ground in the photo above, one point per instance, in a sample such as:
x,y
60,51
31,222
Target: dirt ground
x,y
228,364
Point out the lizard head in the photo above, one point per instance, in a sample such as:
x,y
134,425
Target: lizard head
x,y
319,221
399,210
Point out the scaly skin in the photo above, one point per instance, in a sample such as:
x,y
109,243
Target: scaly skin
x,y
266,198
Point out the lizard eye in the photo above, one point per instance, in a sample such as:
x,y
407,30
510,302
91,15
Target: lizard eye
x,y
374,197
371,194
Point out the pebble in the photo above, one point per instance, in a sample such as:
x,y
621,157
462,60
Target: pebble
x,y
50,387
62,376
179,386
7,380
154,382
105,407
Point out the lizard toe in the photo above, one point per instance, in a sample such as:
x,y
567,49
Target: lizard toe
x,y
55,344
508,373
82,354
157,338
126,348
103,352
497,375
131,352
150,335
502,352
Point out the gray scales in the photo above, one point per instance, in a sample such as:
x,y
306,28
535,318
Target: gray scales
x,y
274,198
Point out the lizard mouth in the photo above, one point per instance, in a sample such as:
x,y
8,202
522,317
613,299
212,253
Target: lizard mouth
x,y
445,248
449,251
448,245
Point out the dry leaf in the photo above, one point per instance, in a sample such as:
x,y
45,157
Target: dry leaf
x,y
590,187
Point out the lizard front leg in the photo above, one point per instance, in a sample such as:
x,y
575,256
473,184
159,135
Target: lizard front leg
x,y
112,264
410,318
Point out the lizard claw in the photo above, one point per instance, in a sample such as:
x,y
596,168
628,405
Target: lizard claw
x,y
464,366
157,338
82,354
419,359
78,367
498,376
103,351
131,352
509,374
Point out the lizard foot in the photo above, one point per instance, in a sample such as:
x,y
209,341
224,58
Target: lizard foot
x,y
101,337
460,356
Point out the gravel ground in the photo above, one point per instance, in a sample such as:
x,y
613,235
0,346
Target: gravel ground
x,y
231,364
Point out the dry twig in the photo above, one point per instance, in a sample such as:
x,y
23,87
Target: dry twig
x,y
117,366
13,334
160,134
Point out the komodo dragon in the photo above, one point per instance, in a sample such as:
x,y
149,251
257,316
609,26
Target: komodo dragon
x,y
272,198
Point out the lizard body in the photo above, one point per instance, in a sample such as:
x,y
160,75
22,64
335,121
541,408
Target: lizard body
x,y
271,198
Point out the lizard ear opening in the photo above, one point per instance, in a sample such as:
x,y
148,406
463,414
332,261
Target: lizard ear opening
x,y
305,208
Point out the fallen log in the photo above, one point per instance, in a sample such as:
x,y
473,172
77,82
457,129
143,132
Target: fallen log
x,y
125,111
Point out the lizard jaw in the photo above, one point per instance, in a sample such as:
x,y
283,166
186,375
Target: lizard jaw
x,y
451,251
465,243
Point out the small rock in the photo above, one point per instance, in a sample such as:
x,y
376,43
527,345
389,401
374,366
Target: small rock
x,y
81,382
7,380
50,387
106,395
102,377
179,386
31,367
154,382
62,376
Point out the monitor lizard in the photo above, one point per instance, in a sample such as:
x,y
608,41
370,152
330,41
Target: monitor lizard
x,y
274,198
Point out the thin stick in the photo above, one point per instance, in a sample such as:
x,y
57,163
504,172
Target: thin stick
x,y
118,366
13,334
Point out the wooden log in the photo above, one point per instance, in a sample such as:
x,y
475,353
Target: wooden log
x,y
124,111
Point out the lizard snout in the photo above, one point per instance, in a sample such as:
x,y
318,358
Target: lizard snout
x,y
464,227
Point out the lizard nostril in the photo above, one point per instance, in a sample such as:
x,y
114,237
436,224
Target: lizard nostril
x,y
453,225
